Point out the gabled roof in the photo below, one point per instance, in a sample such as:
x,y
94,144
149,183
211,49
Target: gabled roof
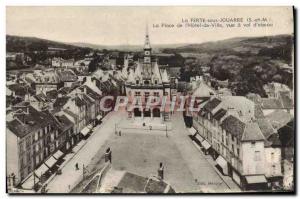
x,y
209,106
204,90
233,126
71,114
61,101
20,89
28,120
17,127
87,99
79,101
265,127
249,131
273,141
52,95
285,99
252,132
219,114
270,103
65,122
279,118
258,112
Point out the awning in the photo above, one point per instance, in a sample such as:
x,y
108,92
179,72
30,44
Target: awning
x,y
255,179
85,131
29,182
199,138
41,170
99,117
50,162
90,126
192,130
221,162
205,144
58,154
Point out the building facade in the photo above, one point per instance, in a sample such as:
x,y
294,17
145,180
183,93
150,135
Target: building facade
x,y
144,80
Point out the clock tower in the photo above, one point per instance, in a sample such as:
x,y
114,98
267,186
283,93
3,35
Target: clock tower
x,y
147,56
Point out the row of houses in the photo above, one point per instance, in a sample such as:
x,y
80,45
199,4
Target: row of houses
x,y
244,136
45,126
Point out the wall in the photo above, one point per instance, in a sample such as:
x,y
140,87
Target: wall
x,y
273,160
12,157
251,165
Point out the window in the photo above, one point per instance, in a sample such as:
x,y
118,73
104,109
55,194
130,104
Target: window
x,y
29,168
52,137
238,152
21,146
146,96
232,138
22,163
36,136
155,81
28,157
156,94
257,156
137,81
273,169
272,156
37,148
252,144
232,147
41,133
137,93
28,142
37,161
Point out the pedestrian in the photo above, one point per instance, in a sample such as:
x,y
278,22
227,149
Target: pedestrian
x,y
161,171
108,155
76,166
120,133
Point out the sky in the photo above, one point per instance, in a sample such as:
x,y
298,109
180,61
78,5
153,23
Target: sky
x,y
126,25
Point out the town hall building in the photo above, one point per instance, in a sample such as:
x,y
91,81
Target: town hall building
x,y
146,79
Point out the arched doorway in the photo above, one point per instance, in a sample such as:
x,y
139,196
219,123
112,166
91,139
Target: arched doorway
x,y
156,112
147,113
137,112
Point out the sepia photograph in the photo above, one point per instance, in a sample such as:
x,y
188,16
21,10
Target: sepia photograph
x,y
150,100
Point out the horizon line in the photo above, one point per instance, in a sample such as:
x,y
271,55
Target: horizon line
x,y
156,44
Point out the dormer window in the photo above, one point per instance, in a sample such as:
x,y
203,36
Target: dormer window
x,y
146,82
137,81
155,81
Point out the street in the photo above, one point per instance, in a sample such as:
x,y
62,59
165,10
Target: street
x,y
70,177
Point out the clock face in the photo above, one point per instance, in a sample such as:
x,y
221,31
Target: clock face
x,y
147,53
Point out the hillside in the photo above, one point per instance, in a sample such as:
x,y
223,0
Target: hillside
x,y
28,44
247,62
133,48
